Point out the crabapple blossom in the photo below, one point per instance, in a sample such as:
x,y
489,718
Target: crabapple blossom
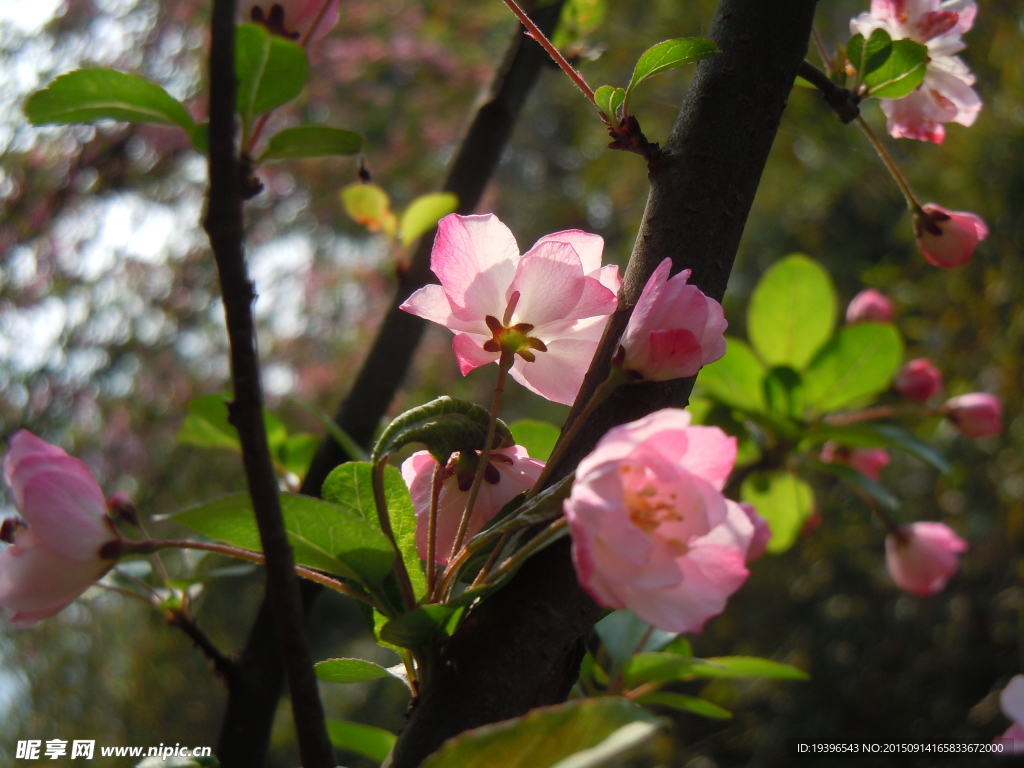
x,y
290,18
509,472
55,547
869,305
867,461
651,530
977,414
923,558
947,238
762,532
918,380
674,329
1011,701
548,306
945,95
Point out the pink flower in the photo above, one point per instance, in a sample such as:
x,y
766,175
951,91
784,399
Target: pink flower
x,y
919,380
290,18
946,94
674,329
651,530
510,471
869,305
1011,701
926,559
549,306
867,461
978,414
762,532
57,556
947,238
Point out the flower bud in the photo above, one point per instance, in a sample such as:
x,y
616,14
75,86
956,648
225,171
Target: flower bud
x,y
122,507
977,414
869,305
867,461
947,238
918,380
923,558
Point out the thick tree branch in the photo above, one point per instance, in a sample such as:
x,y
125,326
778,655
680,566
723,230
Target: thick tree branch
x,y
223,224
521,648
253,697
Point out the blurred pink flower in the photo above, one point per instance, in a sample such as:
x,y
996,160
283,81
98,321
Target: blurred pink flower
x,y
946,94
290,18
977,414
1011,701
948,238
510,471
867,461
869,305
651,530
57,556
549,305
926,559
762,532
919,380
674,329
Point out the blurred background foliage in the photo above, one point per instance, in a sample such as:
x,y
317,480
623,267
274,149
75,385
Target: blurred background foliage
x,y
110,323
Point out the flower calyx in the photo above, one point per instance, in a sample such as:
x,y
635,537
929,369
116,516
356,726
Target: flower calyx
x,y
464,464
273,21
512,338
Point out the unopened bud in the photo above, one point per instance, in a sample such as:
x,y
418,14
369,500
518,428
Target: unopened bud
x,y
122,507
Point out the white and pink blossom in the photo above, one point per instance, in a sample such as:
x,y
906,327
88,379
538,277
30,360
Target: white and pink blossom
x,y
549,305
945,95
650,527
924,557
947,238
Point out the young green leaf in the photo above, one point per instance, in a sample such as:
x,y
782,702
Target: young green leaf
x,y
92,95
621,632
667,55
349,671
608,99
296,453
271,70
748,666
792,311
784,501
423,214
736,379
312,141
656,667
579,18
369,206
537,437
901,73
856,364
367,740
862,483
867,54
691,704
783,391
416,628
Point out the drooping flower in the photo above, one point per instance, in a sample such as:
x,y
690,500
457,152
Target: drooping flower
x,y
55,547
674,329
868,461
1011,701
510,471
947,238
549,305
977,414
919,380
924,561
290,18
762,532
945,95
869,305
650,527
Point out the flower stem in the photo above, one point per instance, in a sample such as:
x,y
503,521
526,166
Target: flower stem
x,y
482,576
901,182
435,496
538,542
822,51
553,52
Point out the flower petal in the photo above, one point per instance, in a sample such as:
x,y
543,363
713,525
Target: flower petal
x,y
475,259
550,282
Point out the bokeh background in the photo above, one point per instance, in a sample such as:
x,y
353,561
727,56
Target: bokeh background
x,y
110,323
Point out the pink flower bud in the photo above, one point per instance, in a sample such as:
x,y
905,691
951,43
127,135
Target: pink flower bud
x,y
948,238
674,329
1011,701
651,529
926,559
762,532
869,305
57,556
290,18
867,461
977,414
919,380
122,507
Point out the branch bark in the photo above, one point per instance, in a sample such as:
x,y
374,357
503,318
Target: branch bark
x,y
256,686
521,648
223,224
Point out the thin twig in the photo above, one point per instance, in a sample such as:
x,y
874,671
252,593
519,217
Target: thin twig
x,y
901,182
225,666
435,497
843,102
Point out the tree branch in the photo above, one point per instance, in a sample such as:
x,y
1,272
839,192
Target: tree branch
x,y
223,224
843,102
702,186
252,701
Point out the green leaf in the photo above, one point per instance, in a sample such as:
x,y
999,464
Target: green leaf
x,y
543,737
784,501
418,627
656,667
349,671
350,486
901,73
620,744
444,425
608,99
296,453
312,141
862,483
736,379
907,441
341,437
579,18
867,55
537,437
207,425
669,55
423,214
680,646
542,508
367,740
792,311
748,666
621,632
858,363
92,95
322,535
369,206
271,70
690,704
783,391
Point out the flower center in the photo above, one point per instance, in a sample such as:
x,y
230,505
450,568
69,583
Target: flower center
x,y
648,510
512,338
